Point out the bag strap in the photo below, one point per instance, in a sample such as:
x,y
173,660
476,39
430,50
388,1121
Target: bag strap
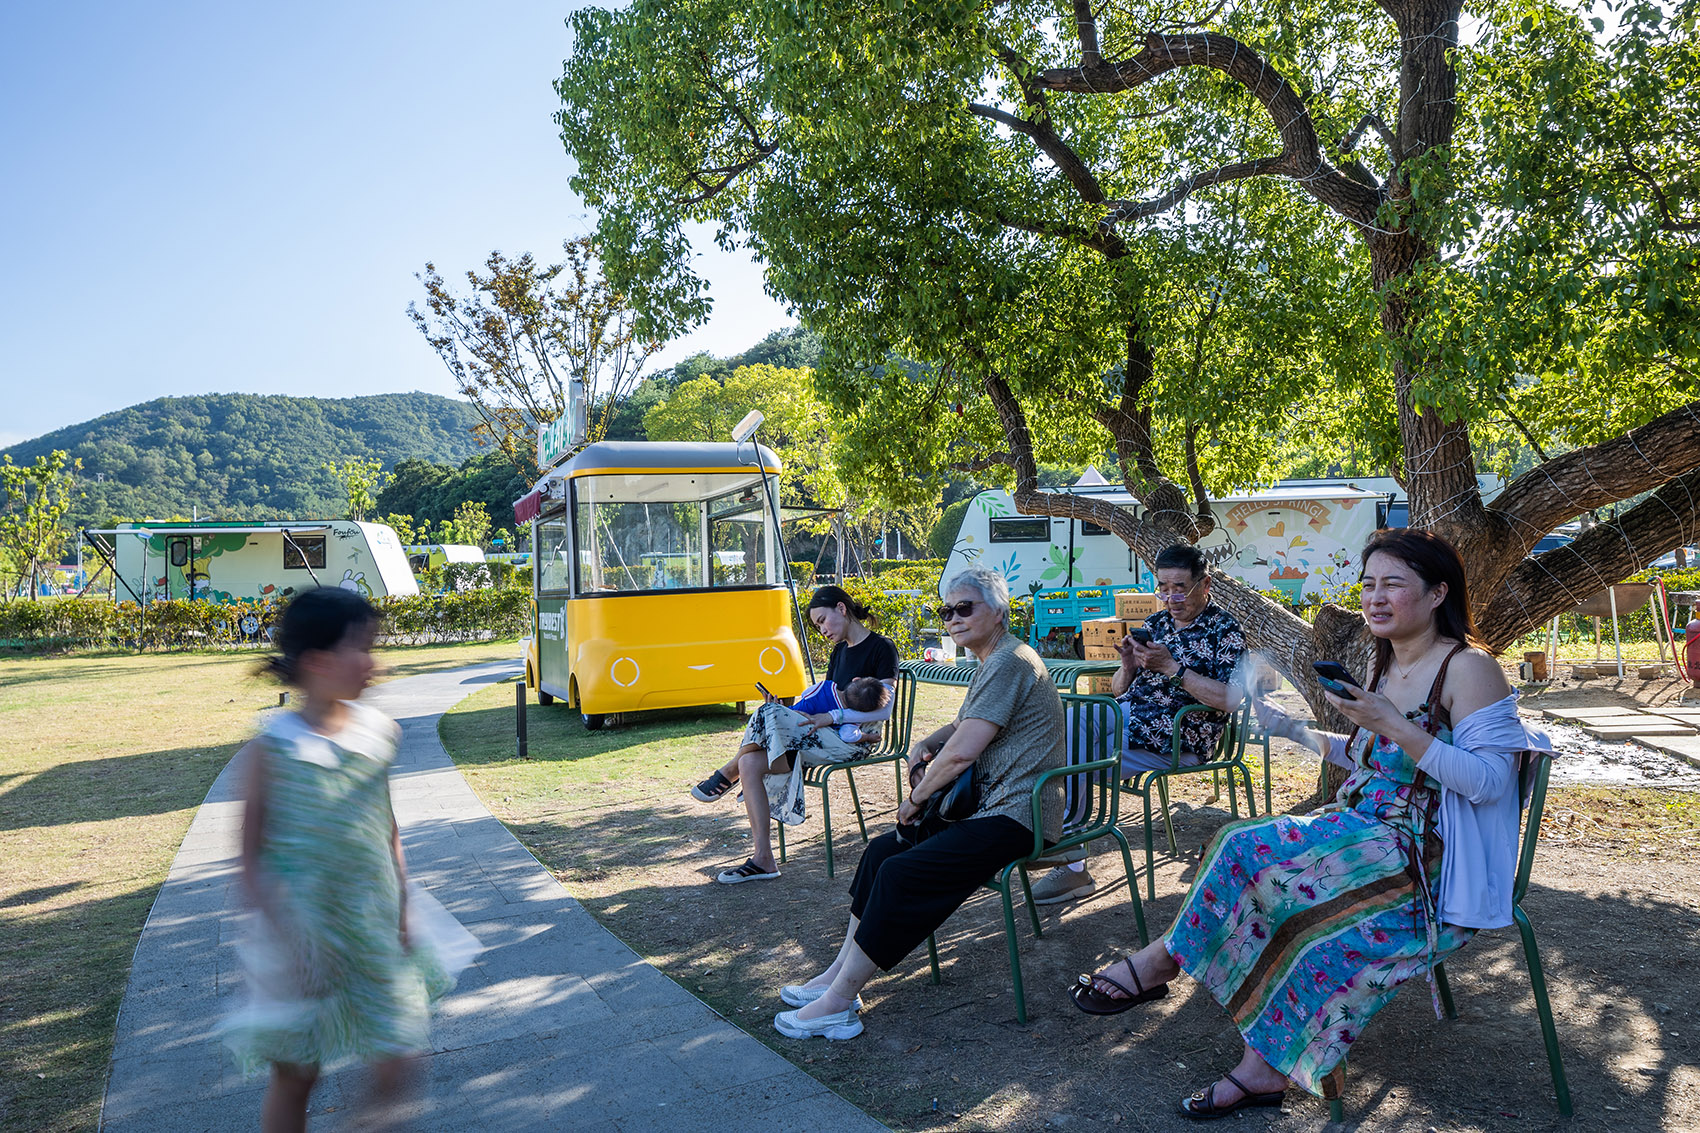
x,y
1434,723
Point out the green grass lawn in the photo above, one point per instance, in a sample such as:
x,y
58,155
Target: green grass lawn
x,y
103,760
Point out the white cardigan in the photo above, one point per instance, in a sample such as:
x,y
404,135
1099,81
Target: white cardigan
x,y
1481,807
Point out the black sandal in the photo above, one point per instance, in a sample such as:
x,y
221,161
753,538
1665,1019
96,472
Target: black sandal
x,y
711,788
1094,1002
1202,1105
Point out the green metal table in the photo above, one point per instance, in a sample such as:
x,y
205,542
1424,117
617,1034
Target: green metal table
x,y
1065,671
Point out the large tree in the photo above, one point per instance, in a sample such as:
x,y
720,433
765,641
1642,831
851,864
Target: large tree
x,y
1194,234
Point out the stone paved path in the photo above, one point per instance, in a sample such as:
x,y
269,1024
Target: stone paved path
x,y
558,1025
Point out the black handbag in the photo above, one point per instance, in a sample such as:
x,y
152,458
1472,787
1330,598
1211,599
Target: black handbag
x,y
953,804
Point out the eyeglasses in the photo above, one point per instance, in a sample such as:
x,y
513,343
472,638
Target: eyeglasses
x,y
960,610
1180,595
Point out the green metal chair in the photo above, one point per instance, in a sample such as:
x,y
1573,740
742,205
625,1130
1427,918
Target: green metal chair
x,y
1531,952
1092,807
1229,756
893,749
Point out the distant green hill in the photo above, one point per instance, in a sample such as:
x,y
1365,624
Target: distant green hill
x,y
248,456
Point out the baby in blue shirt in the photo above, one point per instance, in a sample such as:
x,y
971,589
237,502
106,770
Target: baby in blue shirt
x,y
864,694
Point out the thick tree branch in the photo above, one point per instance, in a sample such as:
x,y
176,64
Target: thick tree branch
x,y
1560,489
1552,582
1669,221
1350,141
1079,174
1301,156
1086,25
1238,171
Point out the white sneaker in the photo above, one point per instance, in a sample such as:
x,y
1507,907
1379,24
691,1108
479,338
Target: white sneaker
x,y
842,1025
799,996
1063,884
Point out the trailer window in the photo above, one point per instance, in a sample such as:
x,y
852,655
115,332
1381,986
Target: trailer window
x,y
1087,527
303,551
1023,530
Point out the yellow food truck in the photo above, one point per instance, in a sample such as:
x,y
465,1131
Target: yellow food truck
x,y
659,579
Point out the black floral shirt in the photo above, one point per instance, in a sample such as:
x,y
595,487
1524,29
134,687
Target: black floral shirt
x,y
1211,645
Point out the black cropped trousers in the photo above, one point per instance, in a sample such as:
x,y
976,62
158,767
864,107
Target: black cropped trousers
x,y
903,893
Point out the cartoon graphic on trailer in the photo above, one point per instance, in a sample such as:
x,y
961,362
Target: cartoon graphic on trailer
x,y
238,562
1300,541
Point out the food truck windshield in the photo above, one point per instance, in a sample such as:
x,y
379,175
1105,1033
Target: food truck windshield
x,y
640,532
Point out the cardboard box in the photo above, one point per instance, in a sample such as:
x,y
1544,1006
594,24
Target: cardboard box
x,y
1102,653
1098,684
1131,604
1103,631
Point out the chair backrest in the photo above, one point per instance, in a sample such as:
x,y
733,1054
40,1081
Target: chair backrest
x,y
1093,726
894,737
1531,829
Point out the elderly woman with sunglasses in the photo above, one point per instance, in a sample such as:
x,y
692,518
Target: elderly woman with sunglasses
x,y
1010,728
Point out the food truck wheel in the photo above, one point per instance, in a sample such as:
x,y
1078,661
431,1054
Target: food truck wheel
x,y
594,721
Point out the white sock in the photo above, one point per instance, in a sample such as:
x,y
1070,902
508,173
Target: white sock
x,y
1078,867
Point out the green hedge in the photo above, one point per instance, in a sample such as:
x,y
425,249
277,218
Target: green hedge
x,y
99,623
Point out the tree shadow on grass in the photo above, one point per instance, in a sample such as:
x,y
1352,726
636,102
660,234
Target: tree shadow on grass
x,y
66,969
120,786
1619,964
556,734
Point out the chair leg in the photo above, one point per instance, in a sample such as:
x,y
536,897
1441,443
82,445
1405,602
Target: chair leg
x,y
1150,848
1250,790
826,818
933,956
1014,952
898,767
1132,885
781,826
850,778
1549,1033
1032,909
1445,988
1268,803
1336,1110
1168,821
1233,795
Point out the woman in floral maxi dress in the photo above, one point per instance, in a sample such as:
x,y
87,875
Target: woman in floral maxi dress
x,y
1303,926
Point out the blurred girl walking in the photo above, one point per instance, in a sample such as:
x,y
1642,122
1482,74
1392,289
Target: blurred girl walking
x,y
331,966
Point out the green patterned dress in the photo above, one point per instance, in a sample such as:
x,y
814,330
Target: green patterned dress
x,y
330,977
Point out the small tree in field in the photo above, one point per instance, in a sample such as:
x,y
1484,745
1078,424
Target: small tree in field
x,y
524,334
37,499
362,480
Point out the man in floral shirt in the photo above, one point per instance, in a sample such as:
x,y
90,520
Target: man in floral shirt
x,y
1194,648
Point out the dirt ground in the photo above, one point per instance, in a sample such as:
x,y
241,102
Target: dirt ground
x,y
1615,902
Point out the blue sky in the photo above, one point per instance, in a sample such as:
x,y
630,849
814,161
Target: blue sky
x,y
225,197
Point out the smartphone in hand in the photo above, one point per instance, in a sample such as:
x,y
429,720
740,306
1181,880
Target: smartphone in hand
x,y
1336,678
766,695
1140,634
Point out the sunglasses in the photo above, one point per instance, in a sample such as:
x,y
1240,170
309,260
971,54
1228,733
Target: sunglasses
x,y
1178,595
960,610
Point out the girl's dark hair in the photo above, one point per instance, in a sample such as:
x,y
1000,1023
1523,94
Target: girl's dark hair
x,y
1435,561
316,619
829,597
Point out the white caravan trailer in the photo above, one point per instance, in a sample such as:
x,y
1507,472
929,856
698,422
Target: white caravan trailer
x,y
1300,540
235,562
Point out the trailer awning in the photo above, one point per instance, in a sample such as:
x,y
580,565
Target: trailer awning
x,y
527,506
215,529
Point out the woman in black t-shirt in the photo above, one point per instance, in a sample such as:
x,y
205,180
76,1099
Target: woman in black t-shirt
x,y
777,735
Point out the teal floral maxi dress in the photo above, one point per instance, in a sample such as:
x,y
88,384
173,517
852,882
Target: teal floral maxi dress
x,y
330,977
1303,926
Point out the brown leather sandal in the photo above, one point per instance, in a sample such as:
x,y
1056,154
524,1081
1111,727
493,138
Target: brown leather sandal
x,y
1202,1105
1094,1002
